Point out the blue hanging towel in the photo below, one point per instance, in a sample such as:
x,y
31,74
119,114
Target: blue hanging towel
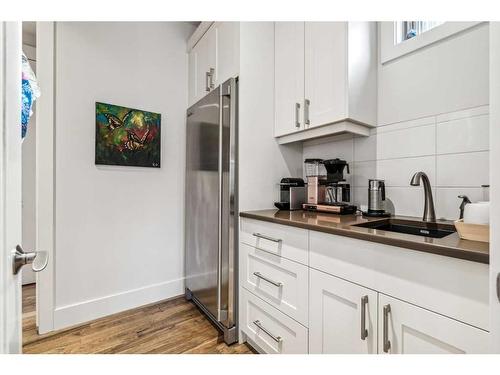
x,y
30,92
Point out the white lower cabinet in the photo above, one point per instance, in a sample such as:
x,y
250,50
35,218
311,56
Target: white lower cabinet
x,y
309,292
271,330
407,329
342,316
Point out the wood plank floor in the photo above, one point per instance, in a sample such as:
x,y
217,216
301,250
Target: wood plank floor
x,y
174,326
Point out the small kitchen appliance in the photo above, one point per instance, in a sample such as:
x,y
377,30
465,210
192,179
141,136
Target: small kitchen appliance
x,y
292,194
376,199
316,180
337,193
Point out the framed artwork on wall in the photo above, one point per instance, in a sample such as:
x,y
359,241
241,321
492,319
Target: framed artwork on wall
x,y
127,136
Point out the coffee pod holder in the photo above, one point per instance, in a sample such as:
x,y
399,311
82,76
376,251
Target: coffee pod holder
x,y
473,232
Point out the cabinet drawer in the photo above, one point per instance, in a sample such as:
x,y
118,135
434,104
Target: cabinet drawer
x,y
279,281
282,240
270,329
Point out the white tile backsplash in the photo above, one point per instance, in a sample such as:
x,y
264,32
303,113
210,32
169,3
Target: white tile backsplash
x,y
470,112
398,172
463,170
463,135
343,149
451,148
365,148
410,142
405,201
406,124
447,202
363,171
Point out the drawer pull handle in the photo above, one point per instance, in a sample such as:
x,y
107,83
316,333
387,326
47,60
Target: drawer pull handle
x,y
278,339
263,236
364,331
275,283
386,341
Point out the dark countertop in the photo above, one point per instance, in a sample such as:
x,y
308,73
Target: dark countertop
x,y
451,245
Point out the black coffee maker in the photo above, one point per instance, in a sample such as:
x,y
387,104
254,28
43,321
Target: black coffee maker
x,y
338,190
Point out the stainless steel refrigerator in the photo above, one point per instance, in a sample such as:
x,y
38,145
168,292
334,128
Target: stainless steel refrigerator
x,y
211,207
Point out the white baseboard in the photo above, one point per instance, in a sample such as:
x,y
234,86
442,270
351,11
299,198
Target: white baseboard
x,y
78,313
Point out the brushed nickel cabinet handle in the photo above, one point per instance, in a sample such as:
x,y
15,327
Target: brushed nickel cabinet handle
x,y
307,103
261,276
263,236
278,339
207,81
364,331
386,341
297,111
211,81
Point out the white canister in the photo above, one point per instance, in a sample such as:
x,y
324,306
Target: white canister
x,y
477,213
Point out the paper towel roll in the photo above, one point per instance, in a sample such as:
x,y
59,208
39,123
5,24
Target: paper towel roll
x,y
477,213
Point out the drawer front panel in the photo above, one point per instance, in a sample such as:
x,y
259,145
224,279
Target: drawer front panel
x,y
270,329
279,281
288,242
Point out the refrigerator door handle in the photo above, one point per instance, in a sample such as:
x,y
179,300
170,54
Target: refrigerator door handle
x,y
227,203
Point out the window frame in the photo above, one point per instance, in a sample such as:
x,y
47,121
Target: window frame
x,y
390,51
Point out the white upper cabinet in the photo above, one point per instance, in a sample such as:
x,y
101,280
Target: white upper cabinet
x,y
213,59
204,54
330,69
342,316
325,72
228,42
289,77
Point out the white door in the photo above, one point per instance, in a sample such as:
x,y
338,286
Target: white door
x,y
342,316
228,51
289,77
192,76
407,329
325,72
205,57
495,185
10,185
29,181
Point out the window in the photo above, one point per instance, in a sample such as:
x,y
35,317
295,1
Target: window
x,y
405,30
403,37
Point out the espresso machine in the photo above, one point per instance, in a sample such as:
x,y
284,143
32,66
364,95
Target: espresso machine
x,y
292,194
330,193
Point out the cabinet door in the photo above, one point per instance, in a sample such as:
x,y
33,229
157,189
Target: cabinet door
x,y
342,316
227,51
407,329
192,76
289,77
325,72
204,53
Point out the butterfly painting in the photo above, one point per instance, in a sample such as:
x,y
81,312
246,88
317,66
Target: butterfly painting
x,y
127,136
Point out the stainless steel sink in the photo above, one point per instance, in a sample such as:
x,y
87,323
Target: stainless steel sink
x,y
416,228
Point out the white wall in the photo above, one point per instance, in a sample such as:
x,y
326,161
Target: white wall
x,y
119,230
495,186
432,116
262,162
